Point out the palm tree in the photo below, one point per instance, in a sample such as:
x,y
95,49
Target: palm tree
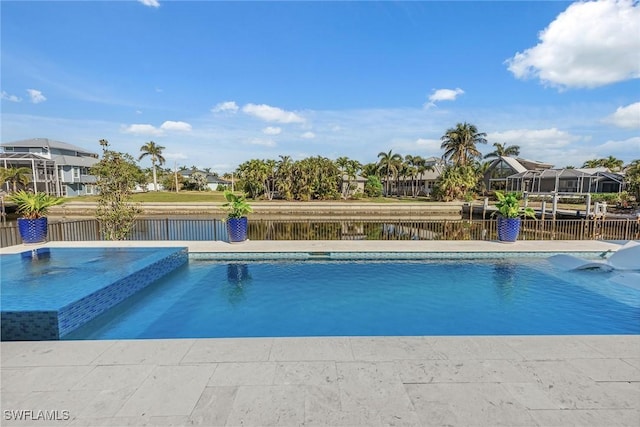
x,y
155,152
284,177
16,176
460,142
632,177
612,163
591,163
389,164
503,150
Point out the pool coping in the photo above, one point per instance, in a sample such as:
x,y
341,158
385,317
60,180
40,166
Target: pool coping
x,y
266,246
480,380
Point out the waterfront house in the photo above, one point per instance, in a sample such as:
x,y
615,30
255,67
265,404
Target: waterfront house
x,y
57,168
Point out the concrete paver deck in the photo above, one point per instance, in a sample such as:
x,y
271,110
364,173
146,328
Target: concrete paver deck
x,y
330,381
349,381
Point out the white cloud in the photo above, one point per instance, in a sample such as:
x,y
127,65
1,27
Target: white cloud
x,y
150,3
271,130
147,129
308,135
626,117
176,126
534,138
143,129
263,142
272,114
227,106
588,45
12,98
36,96
175,156
443,95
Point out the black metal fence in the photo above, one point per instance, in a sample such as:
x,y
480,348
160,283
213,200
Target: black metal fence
x,y
212,229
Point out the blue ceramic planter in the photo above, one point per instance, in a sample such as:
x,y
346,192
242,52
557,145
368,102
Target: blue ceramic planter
x,y
508,229
237,229
33,230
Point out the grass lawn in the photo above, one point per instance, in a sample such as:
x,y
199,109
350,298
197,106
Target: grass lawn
x,y
218,197
167,197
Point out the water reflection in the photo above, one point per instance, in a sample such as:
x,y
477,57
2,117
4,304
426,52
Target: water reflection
x,y
238,278
504,276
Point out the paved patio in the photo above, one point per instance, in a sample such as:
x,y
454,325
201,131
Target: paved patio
x,y
335,381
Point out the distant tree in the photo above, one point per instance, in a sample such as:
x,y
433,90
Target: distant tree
x,y
503,150
284,176
16,176
389,165
168,181
460,143
154,151
632,177
117,175
613,164
591,163
455,183
316,178
349,169
373,186
198,181
370,169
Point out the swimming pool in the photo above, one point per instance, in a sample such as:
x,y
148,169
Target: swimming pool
x,y
47,293
284,298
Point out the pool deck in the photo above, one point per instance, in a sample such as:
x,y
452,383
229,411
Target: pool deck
x,y
332,381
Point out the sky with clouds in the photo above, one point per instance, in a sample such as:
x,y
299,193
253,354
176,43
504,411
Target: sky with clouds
x,y
219,83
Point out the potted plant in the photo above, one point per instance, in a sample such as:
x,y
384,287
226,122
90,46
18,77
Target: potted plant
x,y
509,216
237,221
33,208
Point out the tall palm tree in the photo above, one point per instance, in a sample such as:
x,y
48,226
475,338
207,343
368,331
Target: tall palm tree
x,y
154,151
612,163
389,164
284,177
594,163
503,150
16,176
460,142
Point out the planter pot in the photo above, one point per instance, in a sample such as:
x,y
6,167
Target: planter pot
x,y
508,229
33,230
237,229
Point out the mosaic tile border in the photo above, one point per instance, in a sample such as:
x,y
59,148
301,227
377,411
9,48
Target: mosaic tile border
x,y
391,256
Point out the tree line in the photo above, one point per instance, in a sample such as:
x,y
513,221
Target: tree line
x,y
461,170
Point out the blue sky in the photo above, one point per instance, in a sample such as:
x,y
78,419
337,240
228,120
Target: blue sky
x,y
218,83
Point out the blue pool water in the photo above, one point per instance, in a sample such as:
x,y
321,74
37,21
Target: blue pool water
x,y
362,298
51,279
47,293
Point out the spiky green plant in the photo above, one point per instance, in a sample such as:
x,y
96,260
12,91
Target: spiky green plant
x,y
34,205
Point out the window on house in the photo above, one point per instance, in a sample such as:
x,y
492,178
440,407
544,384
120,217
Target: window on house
x,y
76,173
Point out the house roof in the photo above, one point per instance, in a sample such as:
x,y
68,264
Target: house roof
x,y
45,142
533,164
431,174
513,163
74,160
23,156
358,178
554,173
